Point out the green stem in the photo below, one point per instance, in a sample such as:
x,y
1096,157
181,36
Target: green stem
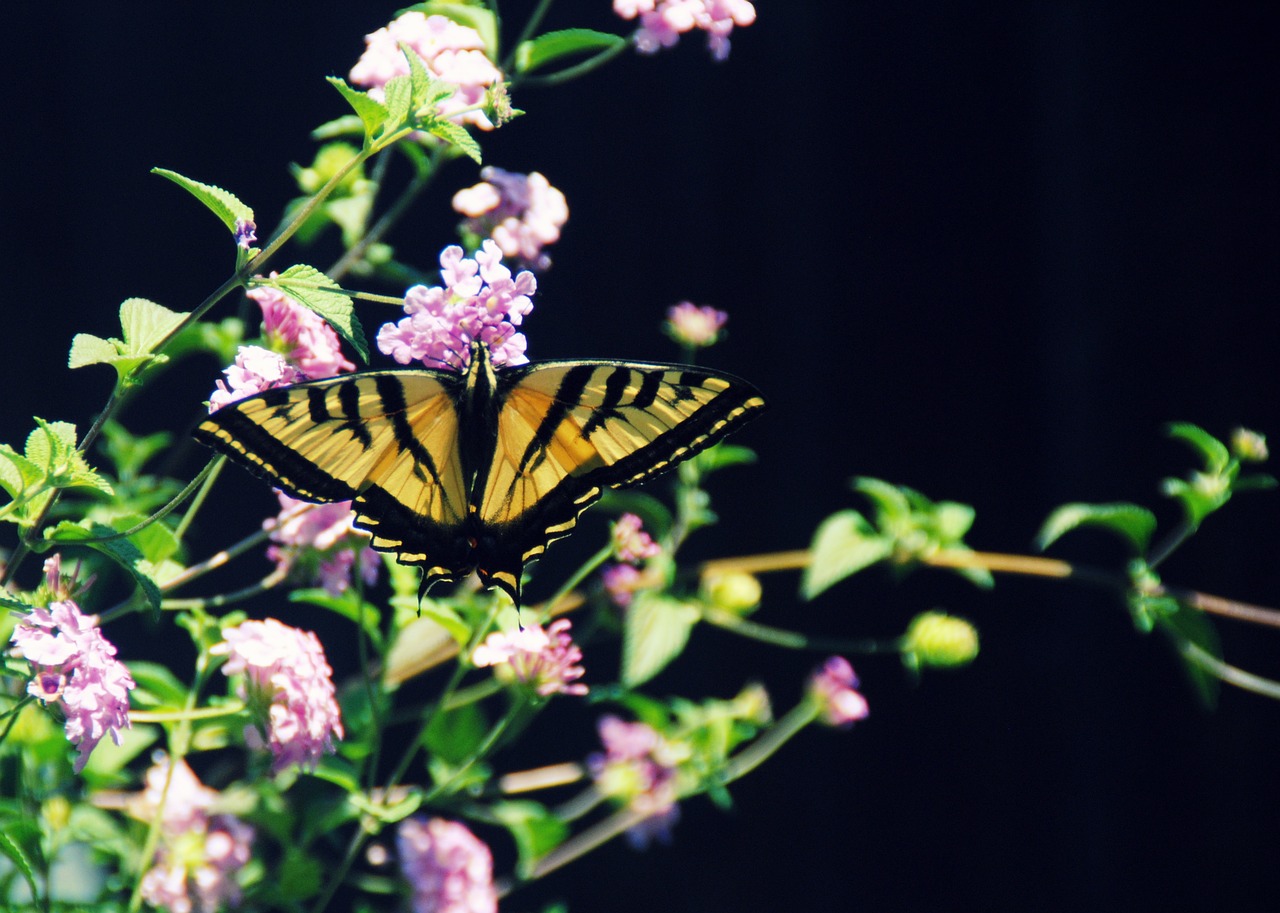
x,y
774,738
530,26
793,640
1232,675
385,223
599,558
570,73
170,716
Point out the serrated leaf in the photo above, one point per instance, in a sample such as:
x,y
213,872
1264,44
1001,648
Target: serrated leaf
x,y
891,501
372,113
146,324
554,46
535,829
656,630
18,856
843,544
51,445
121,551
224,204
17,473
91,350
457,135
1135,524
1216,454
398,94
313,289
346,125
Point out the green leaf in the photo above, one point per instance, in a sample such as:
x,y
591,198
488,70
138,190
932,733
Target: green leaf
x,y
655,515
1187,624
108,758
93,350
843,544
349,606
457,135
17,473
893,502
121,551
299,876
313,289
144,326
18,856
535,829
454,735
656,630
1135,524
372,113
157,686
52,447
1216,454
555,46
722,456
398,94
222,203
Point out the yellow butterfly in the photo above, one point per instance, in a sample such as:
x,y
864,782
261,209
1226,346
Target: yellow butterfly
x,y
478,471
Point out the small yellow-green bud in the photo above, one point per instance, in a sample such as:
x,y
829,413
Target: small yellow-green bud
x,y
328,161
939,640
734,592
752,704
56,813
1248,446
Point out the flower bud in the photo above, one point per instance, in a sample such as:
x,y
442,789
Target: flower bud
x,y
1248,446
734,592
939,640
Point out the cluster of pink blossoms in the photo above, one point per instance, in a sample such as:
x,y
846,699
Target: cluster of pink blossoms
x,y
199,853
522,213
546,659
638,767
449,869
631,546
480,300
75,667
662,22
318,543
832,689
691,325
288,688
455,53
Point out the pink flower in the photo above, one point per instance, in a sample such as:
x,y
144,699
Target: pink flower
x,y
694,326
199,854
319,543
522,213
255,369
662,22
75,667
449,869
288,687
450,51
832,688
621,582
638,768
631,544
546,659
299,334
478,301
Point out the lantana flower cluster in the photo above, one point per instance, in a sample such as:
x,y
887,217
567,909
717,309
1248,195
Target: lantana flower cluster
x,y
638,768
200,852
448,868
288,687
522,213
545,659
694,326
631,546
662,22
832,688
320,544
453,52
74,667
480,300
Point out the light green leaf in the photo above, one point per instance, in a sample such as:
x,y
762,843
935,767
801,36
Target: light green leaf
x,y
457,135
844,544
222,203
157,686
1133,523
1190,625
349,606
454,735
313,289
1216,454
952,520
18,856
891,501
535,829
372,113
17,473
93,350
555,46
146,324
722,456
121,551
656,631
398,93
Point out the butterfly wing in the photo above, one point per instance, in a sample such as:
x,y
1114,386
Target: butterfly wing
x,y
386,440
567,430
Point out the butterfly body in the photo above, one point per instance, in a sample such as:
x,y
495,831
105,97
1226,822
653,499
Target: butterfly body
x,y
478,471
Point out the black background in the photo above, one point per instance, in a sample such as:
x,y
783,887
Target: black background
x,y
983,250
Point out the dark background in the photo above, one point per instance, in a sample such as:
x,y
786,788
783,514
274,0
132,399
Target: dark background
x,y
983,250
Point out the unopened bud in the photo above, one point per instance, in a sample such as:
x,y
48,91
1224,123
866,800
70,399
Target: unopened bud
x,y
939,640
734,592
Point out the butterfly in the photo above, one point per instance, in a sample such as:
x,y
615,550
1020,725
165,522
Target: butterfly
x,y
481,470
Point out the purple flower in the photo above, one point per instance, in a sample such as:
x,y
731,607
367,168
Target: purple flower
x,y
246,232
631,544
662,22
255,369
478,301
694,326
449,869
199,854
288,687
545,659
74,666
521,213
300,335
832,689
638,768
455,53
319,543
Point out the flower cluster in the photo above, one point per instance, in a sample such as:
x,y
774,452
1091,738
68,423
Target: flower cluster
x,y
522,213
638,768
662,22
832,690
480,300
450,51
199,852
631,543
694,326
301,335
448,868
319,544
288,687
545,659
75,668
255,369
